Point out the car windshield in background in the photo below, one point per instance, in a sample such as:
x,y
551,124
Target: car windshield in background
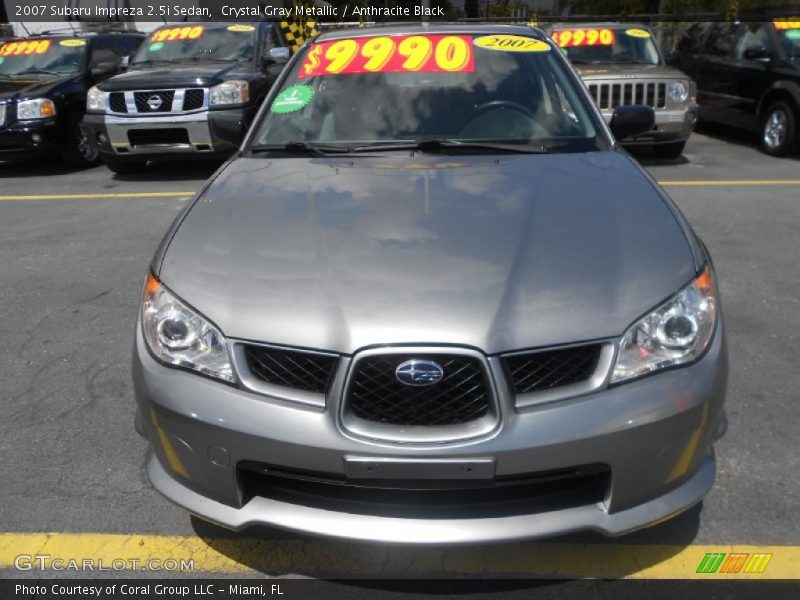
x,y
789,37
594,45
436,89
42,56
197,43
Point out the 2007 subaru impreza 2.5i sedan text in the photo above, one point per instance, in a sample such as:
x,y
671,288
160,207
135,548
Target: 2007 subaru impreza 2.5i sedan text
x,y
431,301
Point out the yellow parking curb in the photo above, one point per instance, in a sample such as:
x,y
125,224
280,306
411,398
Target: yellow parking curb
x,y
332,558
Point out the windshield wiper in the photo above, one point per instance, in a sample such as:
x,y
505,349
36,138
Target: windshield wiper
x,y
155,60
302,148
209,59
38,71
435,144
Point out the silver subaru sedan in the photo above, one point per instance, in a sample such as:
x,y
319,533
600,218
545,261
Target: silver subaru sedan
x,y
431,300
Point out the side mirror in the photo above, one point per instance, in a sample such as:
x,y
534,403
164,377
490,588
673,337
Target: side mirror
x,y
104,68
631,120
757,53
277,56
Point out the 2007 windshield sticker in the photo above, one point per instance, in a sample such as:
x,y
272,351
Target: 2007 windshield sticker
x,y
390,54
511,43
292,99
638,33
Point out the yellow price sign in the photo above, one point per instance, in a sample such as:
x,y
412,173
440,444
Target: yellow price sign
x,y
584,37
25,47
638,33
72,43
511,43
172,34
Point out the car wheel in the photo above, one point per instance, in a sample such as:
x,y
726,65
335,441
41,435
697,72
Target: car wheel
x,y
671,150
778,127
125,167
80,152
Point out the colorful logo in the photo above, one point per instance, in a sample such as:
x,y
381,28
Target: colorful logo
x,y
735,562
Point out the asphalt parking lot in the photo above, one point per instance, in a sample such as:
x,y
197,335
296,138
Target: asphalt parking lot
x,y
75,246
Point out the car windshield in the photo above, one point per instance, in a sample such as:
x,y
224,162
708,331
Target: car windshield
x,y
594,45
42,55
197,43
373,90
789,37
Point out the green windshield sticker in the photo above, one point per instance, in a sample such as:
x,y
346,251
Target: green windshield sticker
x,y
156,46
793,34
292,98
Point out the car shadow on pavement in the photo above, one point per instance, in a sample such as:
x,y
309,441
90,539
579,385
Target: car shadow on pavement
x,y
740,137
646,157
277,552
173,171
37,167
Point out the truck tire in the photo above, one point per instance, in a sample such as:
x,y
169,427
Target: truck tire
x,y
79,151
778,129
125,167
671,150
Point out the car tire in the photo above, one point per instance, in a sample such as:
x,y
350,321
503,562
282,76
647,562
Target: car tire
x,y
79,152
125,167
671,150
778,129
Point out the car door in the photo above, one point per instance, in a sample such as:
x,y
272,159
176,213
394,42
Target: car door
x,y
717,73
754,55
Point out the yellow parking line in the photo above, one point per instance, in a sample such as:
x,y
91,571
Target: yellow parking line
x,y
78,196
730,182
326,557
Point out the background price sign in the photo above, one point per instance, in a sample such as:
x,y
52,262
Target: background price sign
x,y
584,37
390,54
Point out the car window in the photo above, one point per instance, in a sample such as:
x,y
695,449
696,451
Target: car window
x,y
128,45
198,42
752,35
692,41
788,31
591,45
720,39
375,89
269,39
37,55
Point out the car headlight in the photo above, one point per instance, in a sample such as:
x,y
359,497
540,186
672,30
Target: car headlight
x,y
675,333
678,91
39,108
229,92
179,336
95,100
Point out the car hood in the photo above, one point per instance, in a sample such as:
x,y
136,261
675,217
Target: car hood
x,y
175,75
628,71
26,85
496,252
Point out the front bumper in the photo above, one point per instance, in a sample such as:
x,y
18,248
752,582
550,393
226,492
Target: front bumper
x,y
655,436
32,138
671,126
203,133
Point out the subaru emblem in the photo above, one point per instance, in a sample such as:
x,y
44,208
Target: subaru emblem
x,y
154,102
419,372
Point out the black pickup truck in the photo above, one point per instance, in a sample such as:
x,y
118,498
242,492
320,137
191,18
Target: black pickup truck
x,y
190,91
43,85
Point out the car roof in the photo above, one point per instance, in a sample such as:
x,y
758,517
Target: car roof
x,y
432,28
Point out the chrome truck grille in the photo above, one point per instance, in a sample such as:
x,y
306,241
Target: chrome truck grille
x,y
612,94
157,101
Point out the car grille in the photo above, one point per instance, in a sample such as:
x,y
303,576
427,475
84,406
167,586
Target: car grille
x,y
612,95
117,103
461,396
193,99
155,137
550,369
142,101
291,368
456,499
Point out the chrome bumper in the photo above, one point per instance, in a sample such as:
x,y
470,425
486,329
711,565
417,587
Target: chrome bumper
x,y
197,125
670,125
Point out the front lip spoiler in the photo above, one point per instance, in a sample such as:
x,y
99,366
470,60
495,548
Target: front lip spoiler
x,y
263,511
